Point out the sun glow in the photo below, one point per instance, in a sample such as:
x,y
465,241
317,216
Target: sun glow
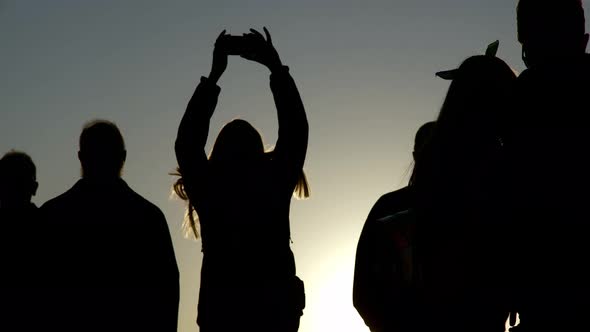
x,y
330,303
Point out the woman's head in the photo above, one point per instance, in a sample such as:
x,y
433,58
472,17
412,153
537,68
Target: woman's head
x,y
238,142
469,123
477,97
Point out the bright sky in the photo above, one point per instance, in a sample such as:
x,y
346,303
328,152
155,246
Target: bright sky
x,y
365,70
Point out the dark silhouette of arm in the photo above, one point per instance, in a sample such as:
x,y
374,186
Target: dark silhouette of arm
x,y
365,292
291,145
154,270
192,135
166,271
194,126
375,293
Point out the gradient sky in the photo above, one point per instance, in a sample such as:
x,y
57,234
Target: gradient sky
x,y
365,70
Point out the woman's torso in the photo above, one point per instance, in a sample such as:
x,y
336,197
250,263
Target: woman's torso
x,y
244,219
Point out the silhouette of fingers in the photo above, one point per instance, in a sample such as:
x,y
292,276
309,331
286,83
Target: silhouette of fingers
x,y
257,34
221,34
220,37
268,38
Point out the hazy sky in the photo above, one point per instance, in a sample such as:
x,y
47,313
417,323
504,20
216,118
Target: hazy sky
x,y
365,70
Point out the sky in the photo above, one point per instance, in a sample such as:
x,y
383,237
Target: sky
x,y
365,71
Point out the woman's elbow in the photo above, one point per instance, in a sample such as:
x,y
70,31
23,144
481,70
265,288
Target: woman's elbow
x,y
180,149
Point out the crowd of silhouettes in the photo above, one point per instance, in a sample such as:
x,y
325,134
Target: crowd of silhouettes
x,y
496,224
492,223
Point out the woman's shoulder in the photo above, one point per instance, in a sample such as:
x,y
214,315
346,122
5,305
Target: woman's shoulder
x,y
404,217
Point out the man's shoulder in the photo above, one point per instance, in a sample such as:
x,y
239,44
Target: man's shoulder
x,y
572,68
145,214
141,203
63,199
29,212
554,91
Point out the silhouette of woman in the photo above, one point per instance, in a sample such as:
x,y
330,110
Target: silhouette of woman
x,y
380,293
242,197
456,179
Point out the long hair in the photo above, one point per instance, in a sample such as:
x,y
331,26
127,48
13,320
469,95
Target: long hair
x,y
237,142
469,118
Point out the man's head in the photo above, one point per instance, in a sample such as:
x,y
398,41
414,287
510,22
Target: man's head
x,y
102,150
18,179
551,29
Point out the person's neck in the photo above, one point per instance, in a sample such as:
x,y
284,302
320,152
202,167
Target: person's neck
x,y
101,180
17,205
559,59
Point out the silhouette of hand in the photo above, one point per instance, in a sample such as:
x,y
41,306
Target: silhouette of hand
x,y
262,50
219,58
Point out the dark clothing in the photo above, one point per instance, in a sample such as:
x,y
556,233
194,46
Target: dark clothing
x,y
244,216
413,273
459,232
547,141
18,246
21,284
462,271
377,295
112,261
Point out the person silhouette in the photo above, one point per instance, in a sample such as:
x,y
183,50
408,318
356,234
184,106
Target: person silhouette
x,y
241,195
551,32
18,181
545,135
113,266
376,296
455,183
19,241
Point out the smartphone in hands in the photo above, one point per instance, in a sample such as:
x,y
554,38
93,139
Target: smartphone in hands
x,y
235,45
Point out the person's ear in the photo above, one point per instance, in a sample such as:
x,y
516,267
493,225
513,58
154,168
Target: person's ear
x,y
523,56
34,188
585,42
124,156
80,156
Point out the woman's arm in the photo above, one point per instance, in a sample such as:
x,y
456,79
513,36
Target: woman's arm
x,y
193,131
291,145
194,126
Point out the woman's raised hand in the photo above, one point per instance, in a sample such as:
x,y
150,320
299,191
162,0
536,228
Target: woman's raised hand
x,y
219,58
261,50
